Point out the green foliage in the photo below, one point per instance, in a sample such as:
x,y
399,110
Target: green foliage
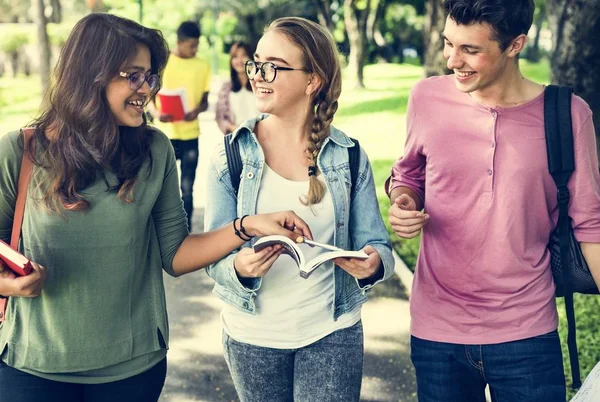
x,y
14,36
588,327
401,28
58,33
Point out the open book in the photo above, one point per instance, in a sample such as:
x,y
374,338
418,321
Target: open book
x,y
306,267
590,390
174,103
14,260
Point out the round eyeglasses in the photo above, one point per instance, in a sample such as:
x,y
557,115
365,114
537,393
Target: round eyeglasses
x,y
268,70
137,79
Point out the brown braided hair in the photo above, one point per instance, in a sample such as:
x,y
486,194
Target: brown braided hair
x,y
321,58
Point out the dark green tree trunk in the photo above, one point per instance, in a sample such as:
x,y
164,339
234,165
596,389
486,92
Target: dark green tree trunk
x,y
435,19
575,60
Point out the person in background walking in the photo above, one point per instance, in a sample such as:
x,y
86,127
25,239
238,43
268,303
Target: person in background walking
x,y
236,102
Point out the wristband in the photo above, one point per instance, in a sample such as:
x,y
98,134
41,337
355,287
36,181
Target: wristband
x,y
243,232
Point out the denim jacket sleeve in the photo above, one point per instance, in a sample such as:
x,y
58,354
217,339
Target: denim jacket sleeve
x,y
221,209
366,223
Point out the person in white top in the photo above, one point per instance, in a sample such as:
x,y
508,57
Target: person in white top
x,y
287,338
236,102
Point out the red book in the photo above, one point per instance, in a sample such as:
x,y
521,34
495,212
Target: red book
x,y
16,261
173,103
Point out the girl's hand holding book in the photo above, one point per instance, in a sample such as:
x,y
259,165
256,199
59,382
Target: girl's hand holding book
x,y
361,269
250,264
30,285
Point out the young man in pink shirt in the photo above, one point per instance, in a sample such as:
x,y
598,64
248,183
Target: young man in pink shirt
x,y
482,303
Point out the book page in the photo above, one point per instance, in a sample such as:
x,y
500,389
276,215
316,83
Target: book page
x,y
287,245
313,264
590,390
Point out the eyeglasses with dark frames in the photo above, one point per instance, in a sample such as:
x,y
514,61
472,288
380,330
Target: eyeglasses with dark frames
x,y
137,79
268,70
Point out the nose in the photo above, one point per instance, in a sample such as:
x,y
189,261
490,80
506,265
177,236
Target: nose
x,y
257,75
145,88
453,59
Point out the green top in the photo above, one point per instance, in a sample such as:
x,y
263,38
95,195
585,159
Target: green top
x,y
103,303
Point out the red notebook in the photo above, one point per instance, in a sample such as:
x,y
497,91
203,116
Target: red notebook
x,y
16,261
173,103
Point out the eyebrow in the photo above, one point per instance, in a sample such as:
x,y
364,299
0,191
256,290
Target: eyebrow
x,y
139,68
476,47
278,59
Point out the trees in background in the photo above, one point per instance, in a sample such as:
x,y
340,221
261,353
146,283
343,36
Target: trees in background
x,y
435,19
575,58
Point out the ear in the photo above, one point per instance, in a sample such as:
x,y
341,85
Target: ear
x,y
517,45
313,85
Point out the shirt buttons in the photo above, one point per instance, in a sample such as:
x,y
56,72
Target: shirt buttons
x,y
493,144
250,175
489,172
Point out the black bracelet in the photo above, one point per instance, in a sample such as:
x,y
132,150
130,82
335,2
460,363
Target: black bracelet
x,y
237,232
243,229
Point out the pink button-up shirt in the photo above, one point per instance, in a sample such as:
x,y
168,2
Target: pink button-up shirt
x,y
483,273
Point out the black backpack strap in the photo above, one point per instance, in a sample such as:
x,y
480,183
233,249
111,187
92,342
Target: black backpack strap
x,y
561,164
234,162
354,160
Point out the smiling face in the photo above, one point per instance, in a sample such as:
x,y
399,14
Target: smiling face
x,y
291,91
476,59
126,104
238,58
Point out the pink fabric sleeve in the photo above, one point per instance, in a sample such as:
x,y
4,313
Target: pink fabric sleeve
x,y
584,185
409,170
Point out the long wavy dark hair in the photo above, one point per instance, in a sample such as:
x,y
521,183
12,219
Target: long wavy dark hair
x,y
79,136
236,85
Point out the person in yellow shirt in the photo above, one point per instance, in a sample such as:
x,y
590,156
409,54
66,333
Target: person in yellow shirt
x,y
185,72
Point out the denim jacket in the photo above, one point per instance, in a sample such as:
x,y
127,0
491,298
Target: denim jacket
x,y
367,226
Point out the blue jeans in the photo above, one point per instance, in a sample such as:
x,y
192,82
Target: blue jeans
x,y
18,386
325,371
528,370
187,151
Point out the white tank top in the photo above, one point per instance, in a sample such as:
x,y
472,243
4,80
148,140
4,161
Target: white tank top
x,y
292,312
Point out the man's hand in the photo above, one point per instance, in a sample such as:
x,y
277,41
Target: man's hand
x,y
406,221
31,285
193,115
249,264
165,118
285,223
361,269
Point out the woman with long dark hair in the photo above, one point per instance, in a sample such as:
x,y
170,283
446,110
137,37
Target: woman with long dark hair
x,y
103,218
236,102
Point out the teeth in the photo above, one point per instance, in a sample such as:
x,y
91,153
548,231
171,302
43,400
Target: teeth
x,y
264,91
463,74
139,103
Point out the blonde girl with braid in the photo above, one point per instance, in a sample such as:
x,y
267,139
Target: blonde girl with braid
x,y
286,338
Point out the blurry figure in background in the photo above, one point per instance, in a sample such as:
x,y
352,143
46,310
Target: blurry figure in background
x,y
185,71
236,102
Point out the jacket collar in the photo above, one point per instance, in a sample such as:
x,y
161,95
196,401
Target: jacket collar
x,y
335,135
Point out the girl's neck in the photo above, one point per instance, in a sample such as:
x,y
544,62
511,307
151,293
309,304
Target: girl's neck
x,y
292,131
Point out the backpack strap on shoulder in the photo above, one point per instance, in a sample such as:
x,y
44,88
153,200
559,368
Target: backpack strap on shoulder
x,y
234,161
354,161
561,164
